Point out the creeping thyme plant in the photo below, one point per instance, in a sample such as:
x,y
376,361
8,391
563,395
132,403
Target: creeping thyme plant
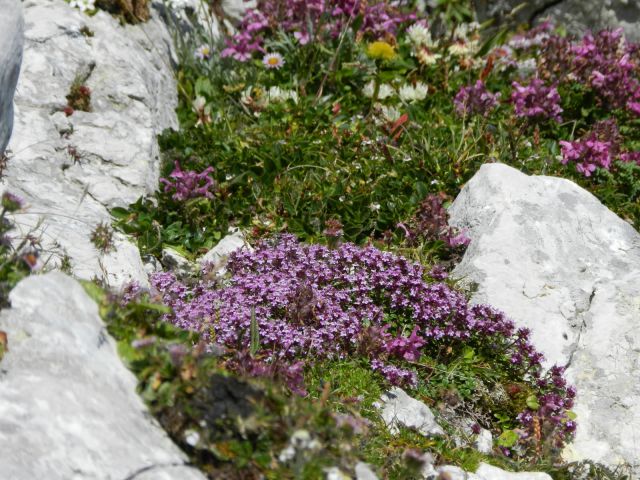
x,y
334,133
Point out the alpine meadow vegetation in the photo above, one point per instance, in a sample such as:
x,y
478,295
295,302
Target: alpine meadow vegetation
x,y
334,134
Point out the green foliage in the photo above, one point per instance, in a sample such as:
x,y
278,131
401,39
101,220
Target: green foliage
x,y
327,152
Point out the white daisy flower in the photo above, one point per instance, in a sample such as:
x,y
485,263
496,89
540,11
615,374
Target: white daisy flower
x,y
203,52
273,60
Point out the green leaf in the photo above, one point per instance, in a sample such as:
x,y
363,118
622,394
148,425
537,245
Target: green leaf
x,y
492,41
508,439
571,414
532,402
468,353
255,334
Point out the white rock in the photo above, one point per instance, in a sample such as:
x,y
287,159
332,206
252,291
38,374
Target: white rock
x,y
489,472
173,260
557,261
68,406
218,255
133,98
11,43
577,16
400,410
365,472
334,473
484,441
451,472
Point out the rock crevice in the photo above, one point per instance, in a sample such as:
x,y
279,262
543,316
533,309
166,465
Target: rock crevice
x,y
72,170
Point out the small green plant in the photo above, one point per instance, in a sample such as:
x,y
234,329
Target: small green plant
x,y
18,257
102,237
78,98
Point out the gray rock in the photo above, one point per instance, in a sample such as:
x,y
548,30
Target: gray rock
x,y
68,406
217,257
489,472
577,16
557,261
173,260
400,410
484,472
71,171
11,44
484,441
365,472
451,472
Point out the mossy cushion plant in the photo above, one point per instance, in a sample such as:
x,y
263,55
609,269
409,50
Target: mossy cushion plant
x,y
351,125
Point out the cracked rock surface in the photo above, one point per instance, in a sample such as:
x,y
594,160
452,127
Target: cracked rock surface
x,y
11,40
68,406
557,261
72,170
576,15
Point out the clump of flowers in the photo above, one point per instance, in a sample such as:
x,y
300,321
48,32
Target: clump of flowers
x,y
305,20
606,63
308,302
184,185
475,100
536,101
599,148
413,93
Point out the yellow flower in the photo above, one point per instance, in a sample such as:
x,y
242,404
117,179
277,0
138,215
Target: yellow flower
x,y
381,50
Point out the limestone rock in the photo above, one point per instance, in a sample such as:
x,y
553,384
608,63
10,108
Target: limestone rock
x,y
577,16
400,410
484,472
451,472
218,255
489,472
173,260
365,472
11,43
72,170
68,406
557,261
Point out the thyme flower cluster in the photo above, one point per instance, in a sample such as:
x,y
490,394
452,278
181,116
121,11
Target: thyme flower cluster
x,y
313,302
